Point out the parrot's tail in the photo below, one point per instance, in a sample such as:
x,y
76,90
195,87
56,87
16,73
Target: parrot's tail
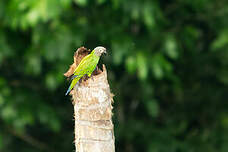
x,y
73,83
68,90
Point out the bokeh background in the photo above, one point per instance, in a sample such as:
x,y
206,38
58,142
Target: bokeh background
x,y
167,65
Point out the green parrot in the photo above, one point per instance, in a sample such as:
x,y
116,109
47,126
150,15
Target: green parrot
x,y
86,66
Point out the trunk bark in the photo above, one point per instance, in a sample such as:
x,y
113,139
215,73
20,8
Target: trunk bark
x,y
92,102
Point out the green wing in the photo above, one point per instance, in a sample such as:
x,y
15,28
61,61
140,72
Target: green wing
x,y
87,65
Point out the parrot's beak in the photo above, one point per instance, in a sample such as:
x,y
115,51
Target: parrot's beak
x,y
105,52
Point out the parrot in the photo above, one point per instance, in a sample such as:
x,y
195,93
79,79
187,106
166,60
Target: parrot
x,y
86,66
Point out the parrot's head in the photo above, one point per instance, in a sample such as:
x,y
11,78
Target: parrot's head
x,y
99,50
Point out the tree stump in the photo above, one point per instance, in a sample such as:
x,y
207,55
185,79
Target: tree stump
x,y
92,101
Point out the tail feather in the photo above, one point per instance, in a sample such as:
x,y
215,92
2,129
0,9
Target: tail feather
x,y
73,83
68,90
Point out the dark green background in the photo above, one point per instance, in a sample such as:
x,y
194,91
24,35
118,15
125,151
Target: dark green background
x,y
167,65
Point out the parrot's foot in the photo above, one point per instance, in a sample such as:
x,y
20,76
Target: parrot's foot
x,y
85,77
92,77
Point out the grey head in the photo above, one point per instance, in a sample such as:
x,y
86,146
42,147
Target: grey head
x,y
99,50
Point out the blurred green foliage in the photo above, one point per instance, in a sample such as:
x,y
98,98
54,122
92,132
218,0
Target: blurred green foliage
x,y
167,66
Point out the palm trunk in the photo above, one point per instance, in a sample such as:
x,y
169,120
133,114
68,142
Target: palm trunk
x,y
92,101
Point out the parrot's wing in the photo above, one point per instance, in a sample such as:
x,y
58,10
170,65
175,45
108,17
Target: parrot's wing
x,y
86,65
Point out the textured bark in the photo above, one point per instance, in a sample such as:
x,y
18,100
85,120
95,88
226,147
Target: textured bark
x,y
92,101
